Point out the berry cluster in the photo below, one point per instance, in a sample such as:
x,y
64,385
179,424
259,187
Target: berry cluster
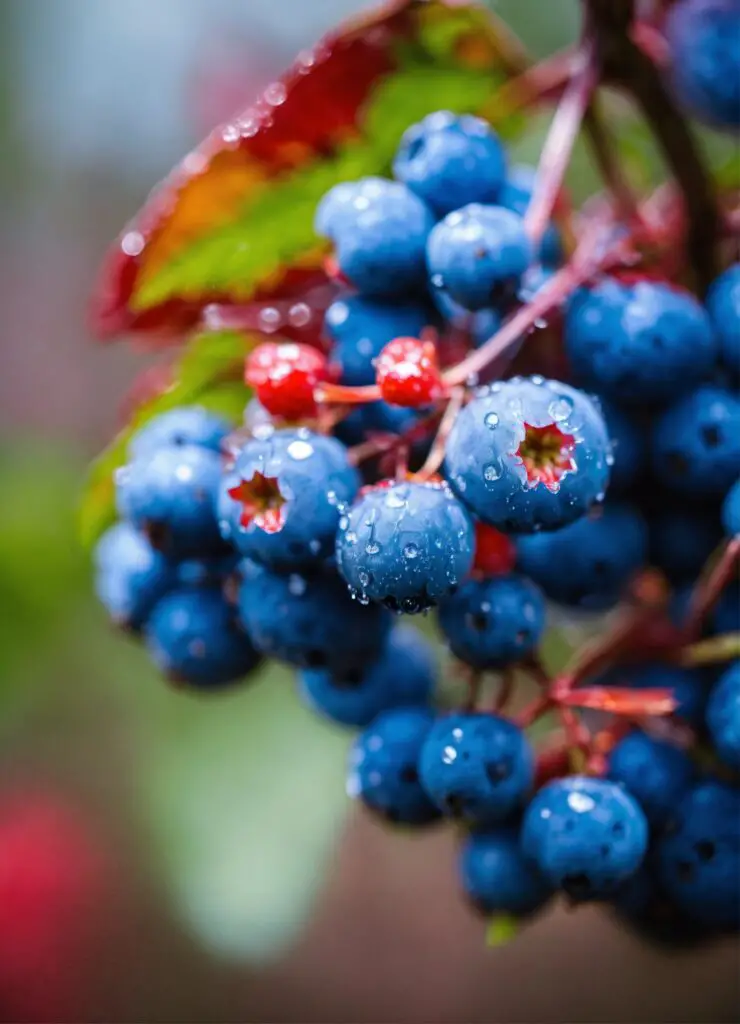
x,y
374,477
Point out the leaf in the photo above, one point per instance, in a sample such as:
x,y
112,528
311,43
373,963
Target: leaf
x,y
244,797
712,651
210,373
234,221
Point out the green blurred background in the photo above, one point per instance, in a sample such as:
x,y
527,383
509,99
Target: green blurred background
x,y
240,883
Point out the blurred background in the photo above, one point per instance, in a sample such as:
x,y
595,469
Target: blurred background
x,y
164,858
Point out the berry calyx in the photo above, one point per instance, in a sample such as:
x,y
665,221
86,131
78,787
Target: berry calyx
x,y
285,376
495,553
408,373
262,502
547,454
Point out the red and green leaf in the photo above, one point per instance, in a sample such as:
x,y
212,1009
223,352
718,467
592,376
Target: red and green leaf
x,y
233,223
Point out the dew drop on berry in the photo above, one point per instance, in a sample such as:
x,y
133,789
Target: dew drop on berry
x,y
492,472
300,450
372,548
449,754
491,420
351,537
394,499
560,408
410,551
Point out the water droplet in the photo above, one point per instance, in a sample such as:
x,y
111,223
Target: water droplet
x,y
296,585
457,733
492,471
343,522
363,599
364,578
269,319
395,498
331,497
449,754
351,537
299,314
300,450
560,408
314,546
372,548
275,94
581,803
230,133
609,459
410,551
491,420
132,243
437,281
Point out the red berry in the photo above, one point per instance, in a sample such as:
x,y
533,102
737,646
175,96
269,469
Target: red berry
x,y
495,553
408,373
284,376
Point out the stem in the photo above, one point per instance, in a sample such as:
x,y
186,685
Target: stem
x,y
607,159
506,690
709,590
538,82
558,146
436,455
713,651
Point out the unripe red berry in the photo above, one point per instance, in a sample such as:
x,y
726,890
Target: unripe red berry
x,y
495,553
408,373
284,376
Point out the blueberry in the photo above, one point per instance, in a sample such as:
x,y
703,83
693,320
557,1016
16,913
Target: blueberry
x,y
516,195
403,674
405,545
190,424
704,40
726,615
380,238
477,255
195,640
588,563
376,418
481,324
293,485
169,493
731,510
628,446
723,304
655,772
491,622
641,903
211,572
360,328
585,835
528,454
696,443
310,621
130,575
641,342
697,859
688,686
475,766
723,716
337,206
496,877
681,540
449,160
383,767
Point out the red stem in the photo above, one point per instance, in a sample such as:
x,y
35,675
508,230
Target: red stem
x,y
709,590
436,455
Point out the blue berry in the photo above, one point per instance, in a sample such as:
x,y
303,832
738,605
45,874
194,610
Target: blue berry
x,y
491,622
528,454
475,766
383,767
376,418
170,494
655,772
641,342
696,443
194,639
496,877
588,563
481,324
189,424
704,39
681,541
726,615
404,674
516,195
380,239
585,835
360,328
130,575
295,484
723,715
731,510
406,545
337,206
449,160
697,859
478,254
628,446
211,572
310,622
723,304
641,903
688,686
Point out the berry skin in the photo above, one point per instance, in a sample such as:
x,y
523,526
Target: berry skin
x,y
284,376
697,858
704,40
696,443
495,553
491,622
495,876
169,494
681,541
656,773
130,575
528,454
195,640
360,328
628,447
383,770
516,195
585,835
723,716
380,239
185,425
403,675
587,564
475,766
406,545
688,687
280,504
477,255
408,374
337,206
731,510
449,160
723,304
641,903
310,622
638,342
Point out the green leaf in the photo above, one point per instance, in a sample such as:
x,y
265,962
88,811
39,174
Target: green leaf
x,y
209,373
